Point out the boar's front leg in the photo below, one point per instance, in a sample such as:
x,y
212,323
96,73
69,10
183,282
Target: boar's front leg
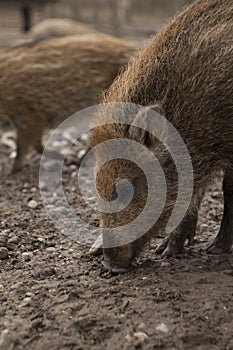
x,y
224,240
174,243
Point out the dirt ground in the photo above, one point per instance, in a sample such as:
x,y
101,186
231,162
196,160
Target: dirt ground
x,y
55,296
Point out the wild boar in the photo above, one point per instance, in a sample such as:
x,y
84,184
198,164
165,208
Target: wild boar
x,y
42,84
185,74
57,27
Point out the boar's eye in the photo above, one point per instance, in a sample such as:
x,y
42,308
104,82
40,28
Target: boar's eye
x,y
123,192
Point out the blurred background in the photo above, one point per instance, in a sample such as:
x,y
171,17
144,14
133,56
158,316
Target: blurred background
x,y
132,19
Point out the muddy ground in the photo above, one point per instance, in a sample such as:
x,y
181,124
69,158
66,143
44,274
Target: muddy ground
x,y
54,295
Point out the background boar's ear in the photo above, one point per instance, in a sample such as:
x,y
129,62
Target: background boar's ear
x,y
142,118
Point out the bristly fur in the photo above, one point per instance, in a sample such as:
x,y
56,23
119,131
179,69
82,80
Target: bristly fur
x,y
187,70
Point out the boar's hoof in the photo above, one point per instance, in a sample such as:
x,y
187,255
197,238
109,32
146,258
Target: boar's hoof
x,y
114,269
96,248
216,248
162,246
170,251
169,247
174,243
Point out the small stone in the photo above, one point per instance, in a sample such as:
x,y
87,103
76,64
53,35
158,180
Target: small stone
x,y
141,336
91,199
165,264
59,144
204,226
32,204
27,256
162,328
85,138
141,326
73,167
129,338
81,153
25,302
33,189
8,139
41,239
3,253
12,242
50,249
13,155
125,304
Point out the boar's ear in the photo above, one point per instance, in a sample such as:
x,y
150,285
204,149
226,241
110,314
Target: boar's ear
x,y
142,135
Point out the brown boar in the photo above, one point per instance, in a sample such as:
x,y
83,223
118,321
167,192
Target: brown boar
x,y
44,83
186,75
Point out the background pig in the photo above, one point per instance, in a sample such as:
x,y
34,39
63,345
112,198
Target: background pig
x,y
56,27
186,74
42,84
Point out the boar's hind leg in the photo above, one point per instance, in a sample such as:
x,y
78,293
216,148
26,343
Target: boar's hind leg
x,y
23,143
223,241
26,137
174,243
